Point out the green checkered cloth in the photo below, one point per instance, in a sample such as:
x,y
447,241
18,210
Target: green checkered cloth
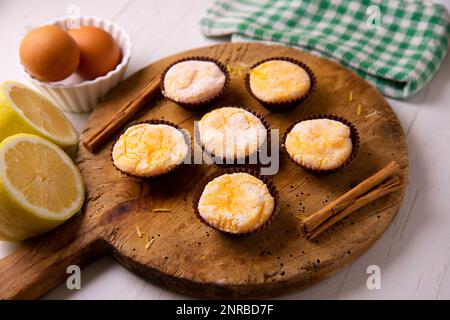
x,y
396,45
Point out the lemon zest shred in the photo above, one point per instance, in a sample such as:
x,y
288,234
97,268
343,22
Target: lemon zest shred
x,y
371,114
161,210
358,109
301,217
229,69
149,242
138,231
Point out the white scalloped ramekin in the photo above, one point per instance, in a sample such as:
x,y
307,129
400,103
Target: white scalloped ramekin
x,y
75,94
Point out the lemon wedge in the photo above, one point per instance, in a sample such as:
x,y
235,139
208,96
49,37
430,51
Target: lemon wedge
x,y
23,110
40,187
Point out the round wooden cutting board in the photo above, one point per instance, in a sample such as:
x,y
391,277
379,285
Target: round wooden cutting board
x,y
186,255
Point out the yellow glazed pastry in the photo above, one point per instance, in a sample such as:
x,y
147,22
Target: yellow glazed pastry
x,y
148,150
236,203
278,81
319,144
231,132
193,81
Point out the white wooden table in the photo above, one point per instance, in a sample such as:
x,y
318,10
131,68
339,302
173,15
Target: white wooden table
x,y
414,253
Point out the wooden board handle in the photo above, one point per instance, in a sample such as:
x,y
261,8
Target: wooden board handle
x,y
42,263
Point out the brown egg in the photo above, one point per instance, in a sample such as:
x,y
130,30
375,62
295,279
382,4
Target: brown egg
x,y
49,53
99,54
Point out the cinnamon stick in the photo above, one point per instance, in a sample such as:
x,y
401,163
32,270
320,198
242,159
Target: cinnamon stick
x,y
313,221
384,189
123,115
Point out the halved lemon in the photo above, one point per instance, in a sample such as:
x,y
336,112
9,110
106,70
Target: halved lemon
x,y
40,187
23,110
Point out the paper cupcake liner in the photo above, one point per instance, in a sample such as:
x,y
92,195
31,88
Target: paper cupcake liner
x,y
152,121
204,104
354,135
73,95
247,158
270,185
286,105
